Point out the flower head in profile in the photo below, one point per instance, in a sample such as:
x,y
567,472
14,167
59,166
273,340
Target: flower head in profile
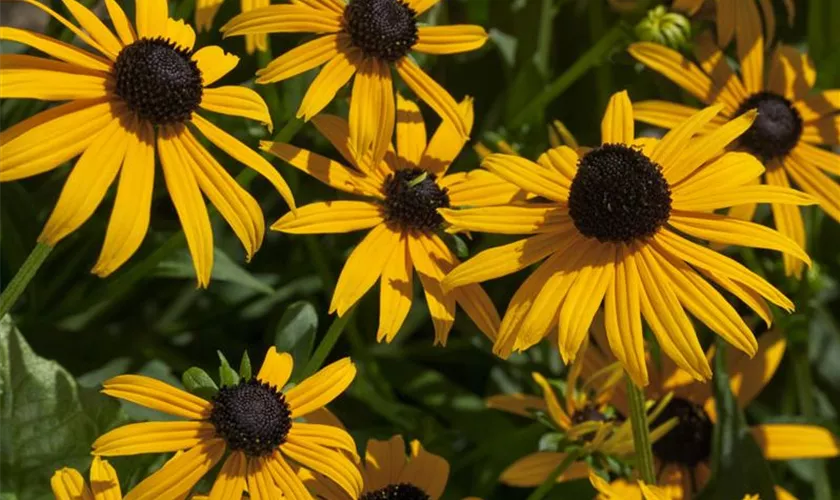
x,y
365,38
256,420
403,194
793,120
389,474
614,232
206,10
137,99
683,455
68,484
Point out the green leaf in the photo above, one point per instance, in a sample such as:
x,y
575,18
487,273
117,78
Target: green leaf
x,y
198,382
227,375
295,333
226,269
49,422
245,366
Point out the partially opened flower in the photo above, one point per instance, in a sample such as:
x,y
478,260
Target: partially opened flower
x,y
683,455
793,120
365,38
403,193
613,233
740,19
68,484
137,100
256,420
388,474
205,13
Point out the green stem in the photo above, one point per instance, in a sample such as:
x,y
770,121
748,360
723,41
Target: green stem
x,y
549,482
641,433
584,63
24,275
327,343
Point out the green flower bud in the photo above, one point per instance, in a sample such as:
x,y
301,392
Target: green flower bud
x,y
665,28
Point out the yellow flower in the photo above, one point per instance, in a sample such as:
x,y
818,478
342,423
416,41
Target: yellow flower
x,y
256,420
388,474
682,455
68,484
739,18
364,38
625,490
612,232
205,12
404,191
138,98
584,420
792,120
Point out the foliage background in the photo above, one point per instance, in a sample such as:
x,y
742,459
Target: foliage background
x,y
149,317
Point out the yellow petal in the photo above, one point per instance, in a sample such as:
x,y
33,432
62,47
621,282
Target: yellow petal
x,y
674,143
285,477
430,270
749,45
808,155
479,307
817,105
189,204
244,155
729,172
777,196
411,132
104,483
446,143
478,188
432,94
283,19
321,388
532,470
238,208
792,441
236,101
748,376
175,479
157,395
674,66
261,486
214,63
151,17
518,404
825,130
426,471
617,124
55,48
363,267
335,6
331,217
330,79
511,219
792,73
450,39
322,435
715,64
276,368
746,294
300,59
811,180
332,464
372,111
230,483
384,462
81,34
27,77
180,33
133,204
48,139
90,178
68,484
564,160
560,417
205,12
788,219
395,293
421,6
623,316
669,115
153,437
529,176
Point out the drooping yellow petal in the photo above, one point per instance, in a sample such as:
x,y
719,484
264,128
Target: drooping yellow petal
x,y
560,417
727,13
330,79
282,18
431,93
81,34
479,307
68,484
806,154
151,17
87,184
518,404
104,483
793,441
230,483
450,39
261,486
286,478
175,479
746,294
55,48
617,124
364,267
411,132
121,23
818,105
715,64
276,368
27,77
825,130
300,59
372,109
189,204
214,63
529,176
157,395
244,155
674,66
336,130
236,100
238,208
749,45
811,180
133,204
396,292
48,139
748,376
792,73
623,315
153,437
254,42
332,464
788,219
532,470
321,388
205,13
525,219
429,269
427,471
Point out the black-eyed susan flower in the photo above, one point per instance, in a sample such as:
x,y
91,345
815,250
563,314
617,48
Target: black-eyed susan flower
x,y
613,234
389,474
365,38
137,100
740,19
205,13
404,192
68,484
683,454
792,123
256,420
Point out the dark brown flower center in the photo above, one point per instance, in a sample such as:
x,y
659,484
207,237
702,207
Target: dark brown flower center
x,y
776,130
690,442
412,197
402,491
384,29
252,417
618,195
158,81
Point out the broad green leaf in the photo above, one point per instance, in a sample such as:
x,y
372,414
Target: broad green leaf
x,y
198,382
180,265
295,333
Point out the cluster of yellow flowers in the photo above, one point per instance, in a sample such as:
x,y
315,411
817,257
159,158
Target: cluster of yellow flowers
x,y
615,228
